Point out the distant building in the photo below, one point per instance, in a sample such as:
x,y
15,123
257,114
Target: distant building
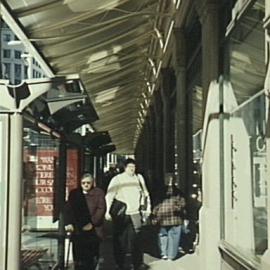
x,y
14,62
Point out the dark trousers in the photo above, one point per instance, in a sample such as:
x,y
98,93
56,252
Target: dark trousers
x,y
188,238
85,249
126,240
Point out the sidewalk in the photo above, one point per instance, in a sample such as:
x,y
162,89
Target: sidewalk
x,y
187,262
150,247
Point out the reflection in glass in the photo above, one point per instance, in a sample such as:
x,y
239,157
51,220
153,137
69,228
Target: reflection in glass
x,y
253,114
39,232
40,210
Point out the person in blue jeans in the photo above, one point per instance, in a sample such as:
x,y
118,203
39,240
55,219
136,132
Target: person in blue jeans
x,y
168,215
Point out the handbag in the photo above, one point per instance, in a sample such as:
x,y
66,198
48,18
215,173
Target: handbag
x,y
118,210
143,205
153,220
143,199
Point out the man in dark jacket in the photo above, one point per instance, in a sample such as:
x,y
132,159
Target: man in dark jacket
x,y
85,212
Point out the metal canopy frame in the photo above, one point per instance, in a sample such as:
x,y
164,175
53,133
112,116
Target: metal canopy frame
x,y
107,43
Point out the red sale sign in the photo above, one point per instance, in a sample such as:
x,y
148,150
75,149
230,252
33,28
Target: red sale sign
x,y
45,177
43,186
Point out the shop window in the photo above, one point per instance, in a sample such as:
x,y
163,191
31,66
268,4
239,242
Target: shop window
x,y
246,166
40,179
247,185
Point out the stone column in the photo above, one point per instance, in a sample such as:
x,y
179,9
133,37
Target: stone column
x,y
151,145
208,12
142,149
181,107
138,151
147,147
152,138
166,91
13,212
158,141
266,256
146,152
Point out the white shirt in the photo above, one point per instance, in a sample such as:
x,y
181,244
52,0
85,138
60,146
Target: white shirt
x,y
126,188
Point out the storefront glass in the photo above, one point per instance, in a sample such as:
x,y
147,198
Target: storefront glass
x,y
40,196
245,166
247,193
40,171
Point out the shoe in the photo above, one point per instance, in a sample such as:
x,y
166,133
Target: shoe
x,y
181,251
164,257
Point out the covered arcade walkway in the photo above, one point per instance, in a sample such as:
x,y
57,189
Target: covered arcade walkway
x,y
181,85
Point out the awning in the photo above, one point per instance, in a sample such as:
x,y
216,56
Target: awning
x,y
114,45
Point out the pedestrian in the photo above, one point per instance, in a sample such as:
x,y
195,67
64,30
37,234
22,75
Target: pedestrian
x,y
108,177
84,217
190,235
130,188
168,215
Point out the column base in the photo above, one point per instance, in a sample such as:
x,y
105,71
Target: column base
x,y
265,260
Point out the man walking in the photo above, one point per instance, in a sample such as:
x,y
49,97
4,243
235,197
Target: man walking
x,y
84,217
130,188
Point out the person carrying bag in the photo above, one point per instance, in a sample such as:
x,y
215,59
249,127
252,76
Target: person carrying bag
x,y
118,210
128,188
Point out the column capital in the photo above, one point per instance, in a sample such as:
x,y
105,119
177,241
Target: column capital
x,y
206,7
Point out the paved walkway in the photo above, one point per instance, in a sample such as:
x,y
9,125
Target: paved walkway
x,y
150,246
187,262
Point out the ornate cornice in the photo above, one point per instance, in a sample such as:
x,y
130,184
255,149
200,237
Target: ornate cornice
x,y
205,7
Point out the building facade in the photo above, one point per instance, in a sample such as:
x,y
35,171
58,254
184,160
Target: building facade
x,y
16,63
208,123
